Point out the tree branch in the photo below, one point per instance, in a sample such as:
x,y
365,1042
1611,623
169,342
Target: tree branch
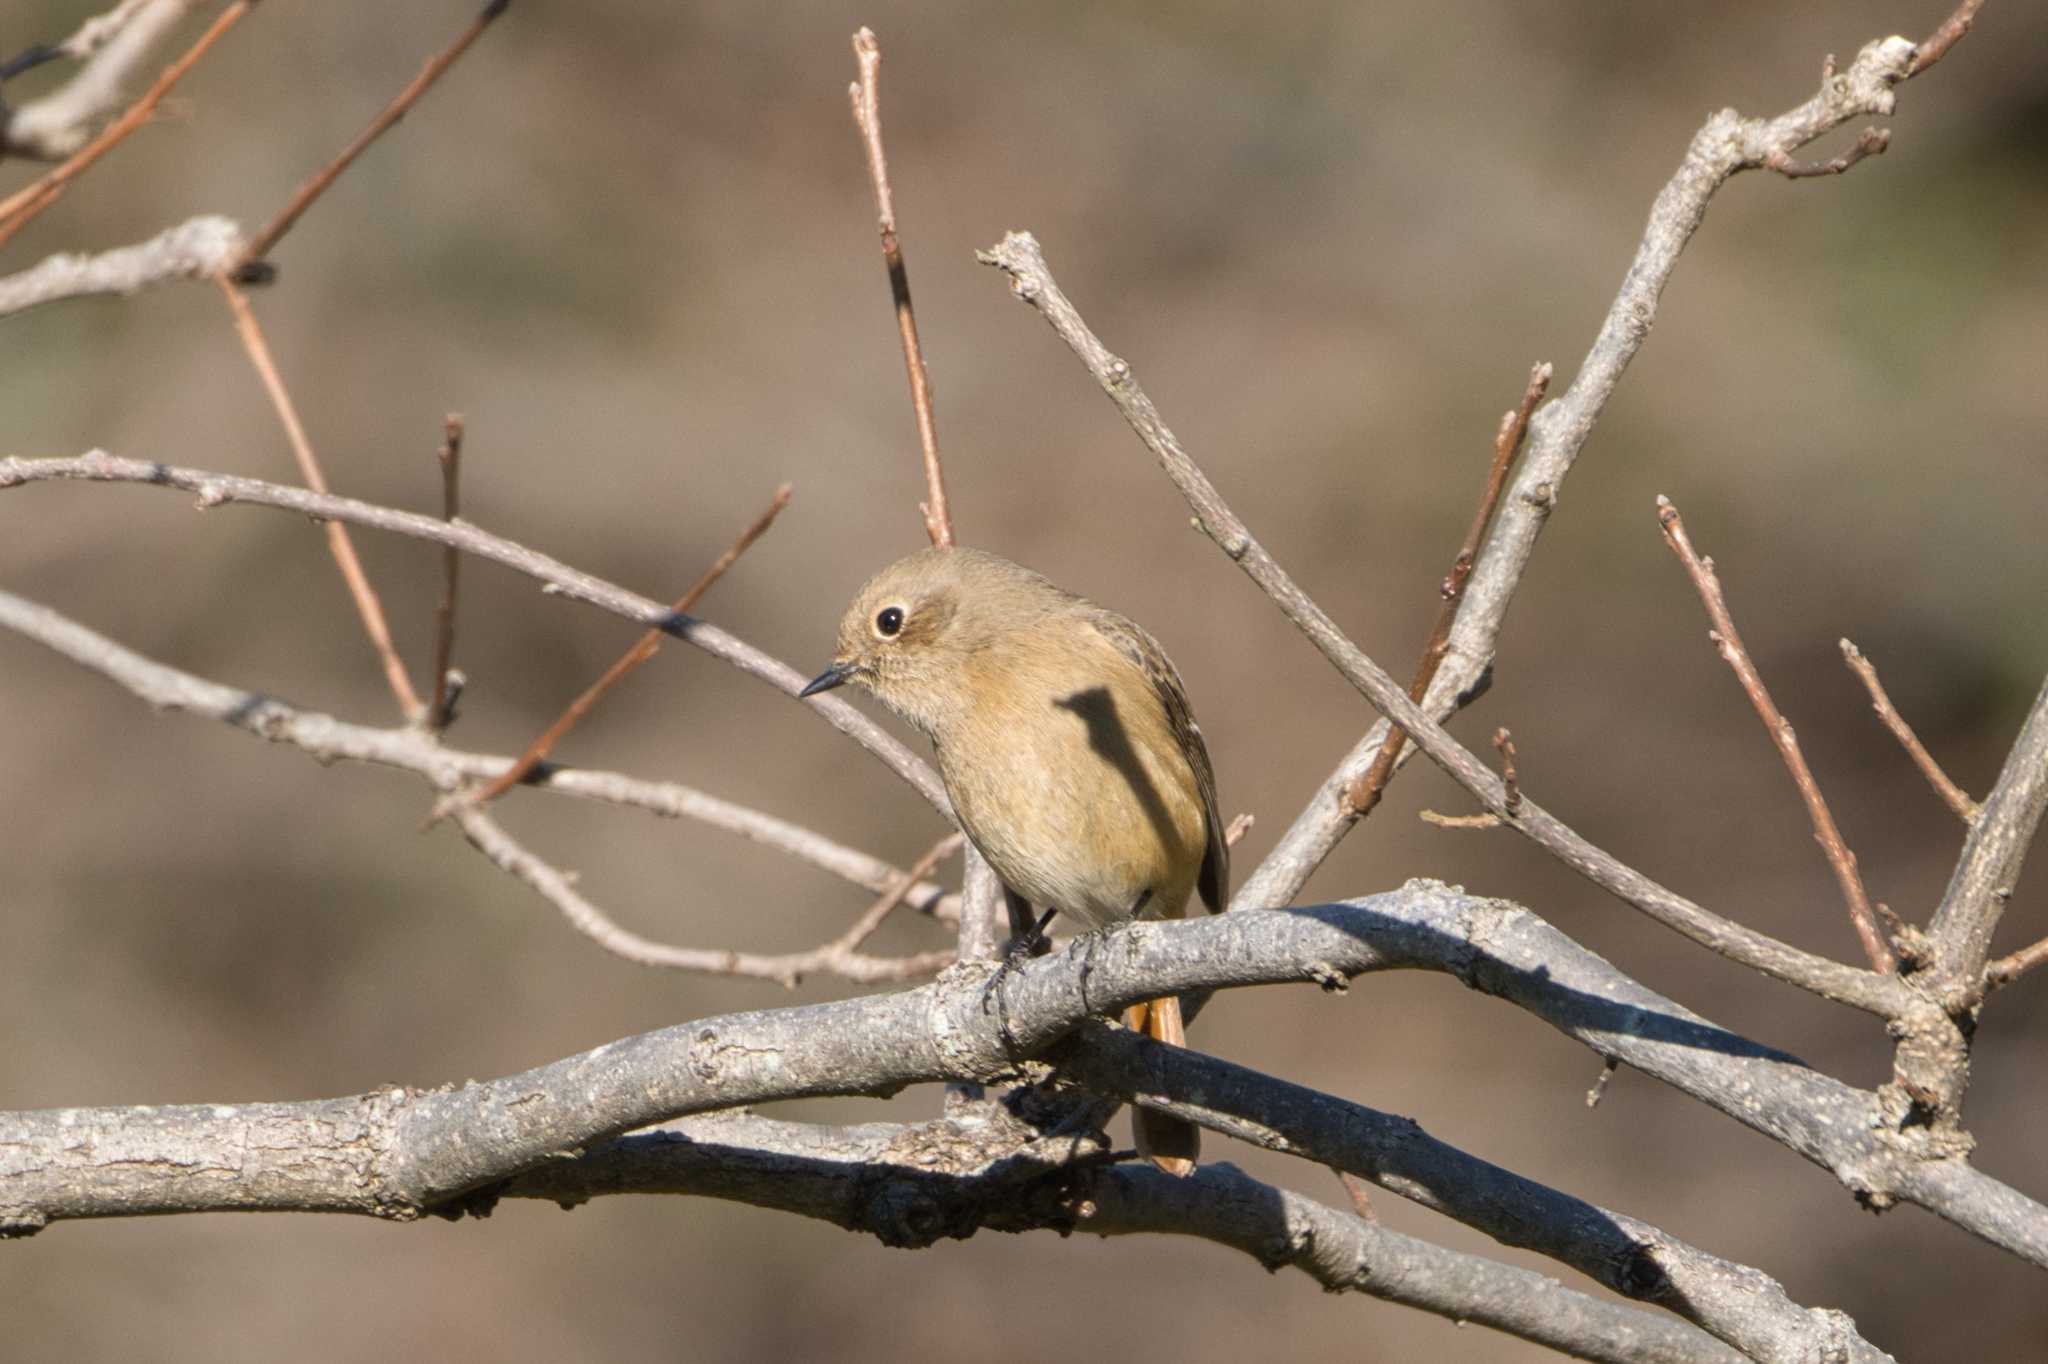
x,y
1729,642
214,489
914,1185
1726,144
368,607
643,649
1952,795
867,114
24,204
248,266
427,1149
1019,256
558,888
111,46
194,249
1992,857
327,740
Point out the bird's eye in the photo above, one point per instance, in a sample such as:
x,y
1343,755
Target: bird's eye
x,y
889,621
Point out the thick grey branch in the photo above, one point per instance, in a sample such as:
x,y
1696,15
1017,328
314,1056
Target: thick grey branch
x,y
220,489
1019,256
195,249
913,1185
430,1148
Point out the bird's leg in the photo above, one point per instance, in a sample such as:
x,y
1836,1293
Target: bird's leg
x,y
1024,945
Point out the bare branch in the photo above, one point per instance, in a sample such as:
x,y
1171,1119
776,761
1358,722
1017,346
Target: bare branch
x,y
215,489
938,520
1936,45
368,607
1869,142
194,249
329,740
1504,743
429,1149
24,204
1019,256
112,46
1727,144
1729,642
2013,965
440,708
1993,854
1364,793
558,888
909,1185
1954,796
643,649
303,199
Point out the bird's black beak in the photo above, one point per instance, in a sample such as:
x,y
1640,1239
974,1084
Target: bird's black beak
x,y
838,675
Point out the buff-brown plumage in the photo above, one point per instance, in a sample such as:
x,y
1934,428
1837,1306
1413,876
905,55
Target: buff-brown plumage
x,y
1065,741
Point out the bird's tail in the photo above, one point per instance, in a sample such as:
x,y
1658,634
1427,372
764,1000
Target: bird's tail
x,y
1168,1142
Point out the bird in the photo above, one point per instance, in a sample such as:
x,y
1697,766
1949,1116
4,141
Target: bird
x,y
1067,747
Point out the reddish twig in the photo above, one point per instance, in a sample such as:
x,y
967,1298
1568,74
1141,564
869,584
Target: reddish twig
x,y
25,203
1954,796
1869,142
863,928
1364,794
1361,1194
1937,43
2012,966
338,543
645,648
1504,744
438,709
248,268
1737,657
938,520
1599,1089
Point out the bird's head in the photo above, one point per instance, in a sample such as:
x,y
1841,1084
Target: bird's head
x,y
910,631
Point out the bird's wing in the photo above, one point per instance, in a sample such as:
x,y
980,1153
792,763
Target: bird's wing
x,y
1132,641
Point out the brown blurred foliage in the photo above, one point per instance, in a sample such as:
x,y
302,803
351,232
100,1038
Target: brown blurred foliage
x,y
633,242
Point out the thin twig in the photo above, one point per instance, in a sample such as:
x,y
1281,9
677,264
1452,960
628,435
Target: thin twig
x,y
264,241
1869,142
1360,1193
1936,45
2013,965
1599,1089
24,204
1954,796
938,519
863,928
1504,744
1237,829
1483,820
338,543
558,888
214,489
1729,643
1364,793
450,459
327,739
643,649
1726,144
1020,256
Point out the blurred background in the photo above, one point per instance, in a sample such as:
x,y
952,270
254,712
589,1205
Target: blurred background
x,y
634,243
